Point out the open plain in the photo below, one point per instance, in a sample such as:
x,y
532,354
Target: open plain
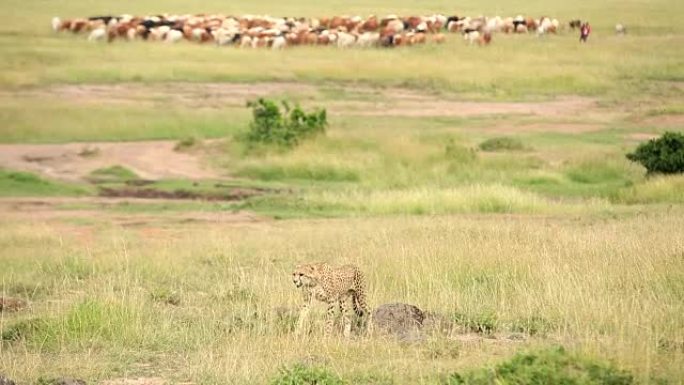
x,y
145,243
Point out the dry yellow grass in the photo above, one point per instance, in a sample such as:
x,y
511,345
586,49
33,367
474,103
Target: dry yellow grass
x,y
605,287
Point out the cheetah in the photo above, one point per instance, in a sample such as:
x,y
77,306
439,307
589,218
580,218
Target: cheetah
x,y
337,286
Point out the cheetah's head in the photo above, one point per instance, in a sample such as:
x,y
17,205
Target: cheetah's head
x,y
304,275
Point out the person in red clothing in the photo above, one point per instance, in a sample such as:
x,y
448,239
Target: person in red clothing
x,y
585,30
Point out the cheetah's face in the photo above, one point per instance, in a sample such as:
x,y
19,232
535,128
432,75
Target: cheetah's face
x,y
303,276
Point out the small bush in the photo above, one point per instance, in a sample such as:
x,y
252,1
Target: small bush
x,y
187,143
502,144
550,366
458,153
664,155
89,152
286,128
305,375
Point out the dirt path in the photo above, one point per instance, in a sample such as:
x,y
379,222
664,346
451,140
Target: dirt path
x,y
97,209
150,160
339,99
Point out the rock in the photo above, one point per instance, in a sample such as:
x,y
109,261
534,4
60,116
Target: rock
x,y
11,304
6,381
398,319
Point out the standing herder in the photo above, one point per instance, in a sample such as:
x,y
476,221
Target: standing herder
x,y
585,30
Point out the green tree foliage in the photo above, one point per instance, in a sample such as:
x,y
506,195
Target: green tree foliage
x,y
286,127
664,155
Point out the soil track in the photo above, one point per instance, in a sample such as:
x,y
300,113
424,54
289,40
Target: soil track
x,y
339,99
61,208
150,160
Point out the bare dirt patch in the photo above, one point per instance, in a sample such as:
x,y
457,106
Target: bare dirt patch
x,y
149,160
192,95
103,209
665,121
339,99
641,136
417,105
567,128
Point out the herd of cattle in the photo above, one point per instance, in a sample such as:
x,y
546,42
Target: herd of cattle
x,y
278,33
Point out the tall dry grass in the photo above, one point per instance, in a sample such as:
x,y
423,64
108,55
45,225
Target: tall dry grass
x,y
103,296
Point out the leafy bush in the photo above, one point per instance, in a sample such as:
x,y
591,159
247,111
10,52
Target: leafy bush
x,y
550,366
285,128
187,143
502,144
459,153
305,375
663,155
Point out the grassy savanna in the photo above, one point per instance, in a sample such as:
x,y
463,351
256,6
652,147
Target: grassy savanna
x,y
214,304
486,185
513,67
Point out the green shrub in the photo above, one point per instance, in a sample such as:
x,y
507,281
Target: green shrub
x,y
187,143
458,153
502,144
550,366
285,128
306,375
663,155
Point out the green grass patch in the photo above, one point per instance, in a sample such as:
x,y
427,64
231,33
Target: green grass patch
x,y
188,143
299,171
305,375
113,173
70,121
17,183
550,366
